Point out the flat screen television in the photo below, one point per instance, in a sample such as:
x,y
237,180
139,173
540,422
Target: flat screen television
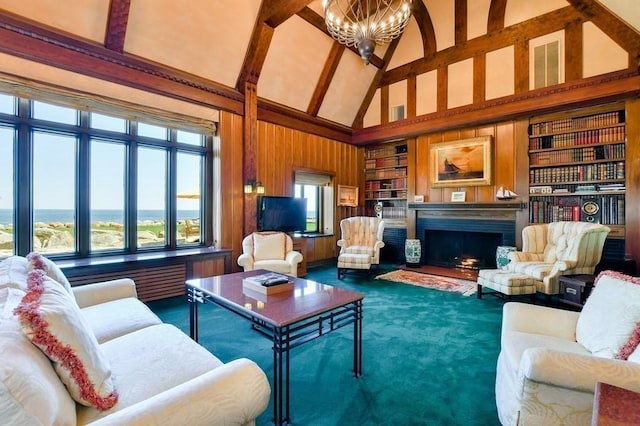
x,y
286,214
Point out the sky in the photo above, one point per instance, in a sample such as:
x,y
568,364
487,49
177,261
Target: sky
x,y
54,171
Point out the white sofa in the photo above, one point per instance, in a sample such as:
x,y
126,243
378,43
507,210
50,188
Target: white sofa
x,y
551,359
160,375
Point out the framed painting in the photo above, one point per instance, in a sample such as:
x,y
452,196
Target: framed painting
x,y
465,162
347,196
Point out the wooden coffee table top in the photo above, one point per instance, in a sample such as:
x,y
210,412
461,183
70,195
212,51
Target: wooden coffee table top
x,y
307,299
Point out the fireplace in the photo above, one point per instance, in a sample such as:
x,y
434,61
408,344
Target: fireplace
x,y
461,249
464,236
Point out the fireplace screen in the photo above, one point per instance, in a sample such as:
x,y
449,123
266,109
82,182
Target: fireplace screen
x,y
461,249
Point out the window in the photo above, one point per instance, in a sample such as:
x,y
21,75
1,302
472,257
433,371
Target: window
x,y
152,197
6,191
54,192
95,182
316,188
108,215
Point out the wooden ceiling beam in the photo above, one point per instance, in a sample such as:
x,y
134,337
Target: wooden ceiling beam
x,y
575,94
117,25
27,40
275,12
541,25
330,67
317,21
460,21
366,102
617,29
425,25
497,10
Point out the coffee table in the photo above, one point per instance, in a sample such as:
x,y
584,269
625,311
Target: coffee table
x,y
288,319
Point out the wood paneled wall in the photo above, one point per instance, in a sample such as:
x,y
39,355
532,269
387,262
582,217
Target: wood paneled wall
x,y
281,151
510,162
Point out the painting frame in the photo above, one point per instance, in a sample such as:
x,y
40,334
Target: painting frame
x,y
474,158
347,196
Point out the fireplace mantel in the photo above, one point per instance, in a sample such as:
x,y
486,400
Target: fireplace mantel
x,y
469,206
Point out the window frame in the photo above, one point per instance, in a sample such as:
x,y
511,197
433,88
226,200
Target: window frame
x,y
24,127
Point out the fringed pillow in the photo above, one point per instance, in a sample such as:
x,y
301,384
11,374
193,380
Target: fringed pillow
x,y
54,323
37,261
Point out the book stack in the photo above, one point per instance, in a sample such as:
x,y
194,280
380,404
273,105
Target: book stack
x,y
268,284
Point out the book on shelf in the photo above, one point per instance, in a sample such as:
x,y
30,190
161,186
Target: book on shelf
x,y
269,283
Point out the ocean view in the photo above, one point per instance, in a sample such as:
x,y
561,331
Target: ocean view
x,y
65,216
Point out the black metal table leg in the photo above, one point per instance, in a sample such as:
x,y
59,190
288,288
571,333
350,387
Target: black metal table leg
x,y
357,340
193,314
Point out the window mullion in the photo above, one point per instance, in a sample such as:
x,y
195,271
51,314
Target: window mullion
x,y
83,204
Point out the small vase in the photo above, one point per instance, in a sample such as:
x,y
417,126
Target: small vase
x,y
412,253
502,256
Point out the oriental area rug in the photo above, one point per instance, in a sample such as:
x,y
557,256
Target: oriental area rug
x,y
454,285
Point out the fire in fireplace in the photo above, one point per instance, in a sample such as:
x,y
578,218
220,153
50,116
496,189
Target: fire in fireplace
x,y
461,249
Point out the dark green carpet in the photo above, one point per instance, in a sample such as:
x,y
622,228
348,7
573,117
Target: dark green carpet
x,y
429,357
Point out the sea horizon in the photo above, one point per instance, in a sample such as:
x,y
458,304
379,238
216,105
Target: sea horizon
x,y
100,215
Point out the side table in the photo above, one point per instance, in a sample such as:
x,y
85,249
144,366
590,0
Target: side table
x,y
617,406
574,289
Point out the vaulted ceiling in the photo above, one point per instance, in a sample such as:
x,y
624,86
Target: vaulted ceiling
x,y
208,51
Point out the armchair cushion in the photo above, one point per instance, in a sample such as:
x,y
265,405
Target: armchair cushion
x,y
269,246
603,330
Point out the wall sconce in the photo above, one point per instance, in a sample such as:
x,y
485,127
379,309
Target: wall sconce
x,y
251,185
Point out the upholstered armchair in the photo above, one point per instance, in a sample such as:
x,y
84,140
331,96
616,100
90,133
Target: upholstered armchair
x,y
272,251
360,242
558,248
551,359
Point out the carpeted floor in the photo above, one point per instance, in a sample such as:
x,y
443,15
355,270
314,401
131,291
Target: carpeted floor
x,y
429,357
455,285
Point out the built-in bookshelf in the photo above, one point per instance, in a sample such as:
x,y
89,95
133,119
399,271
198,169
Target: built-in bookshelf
x,y
577,167
386,181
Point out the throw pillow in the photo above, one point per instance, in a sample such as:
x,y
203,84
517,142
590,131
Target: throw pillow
x,y
269,245
37,261
54,323
610,316
30,390
13,272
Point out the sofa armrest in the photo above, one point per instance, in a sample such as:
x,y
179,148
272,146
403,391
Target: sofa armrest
x,y
245,261
106,291
234,393
341,243
576,371
527,318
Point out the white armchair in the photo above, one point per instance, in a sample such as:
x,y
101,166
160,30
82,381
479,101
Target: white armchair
x,y
272,251
558,248
551,359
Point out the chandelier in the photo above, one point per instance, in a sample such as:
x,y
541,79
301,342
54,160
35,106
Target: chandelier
x,y
365,23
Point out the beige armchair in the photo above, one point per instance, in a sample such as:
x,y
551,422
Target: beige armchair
x,y
360,243
272,251
558,248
